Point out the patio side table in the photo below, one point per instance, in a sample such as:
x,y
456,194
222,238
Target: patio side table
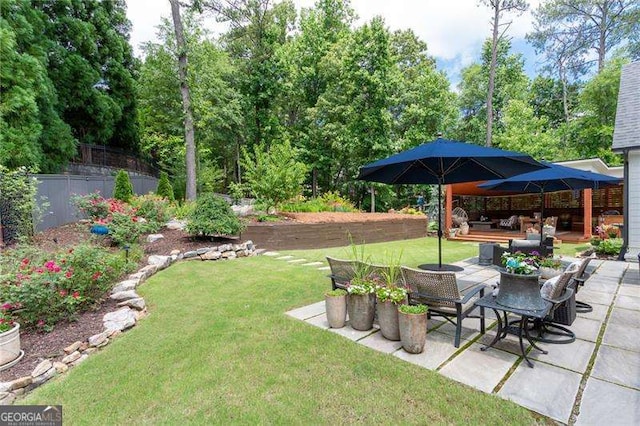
x,y
522,330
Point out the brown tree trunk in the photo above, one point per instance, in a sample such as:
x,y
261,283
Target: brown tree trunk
x,y
602,47
189,136
492,73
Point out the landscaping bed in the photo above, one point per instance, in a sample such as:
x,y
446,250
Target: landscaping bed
x,y
39,345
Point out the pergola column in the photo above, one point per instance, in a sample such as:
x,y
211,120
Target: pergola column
x,y
448,206
587,201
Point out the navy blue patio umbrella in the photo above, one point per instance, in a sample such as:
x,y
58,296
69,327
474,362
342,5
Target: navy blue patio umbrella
x,y
551,179
443,162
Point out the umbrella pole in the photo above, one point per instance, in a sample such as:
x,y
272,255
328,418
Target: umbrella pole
x,y
439,225
542,216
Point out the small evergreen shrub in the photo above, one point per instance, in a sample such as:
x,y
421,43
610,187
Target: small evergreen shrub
x,y
413,309
213,216
123,189
156,210
165,189
17,203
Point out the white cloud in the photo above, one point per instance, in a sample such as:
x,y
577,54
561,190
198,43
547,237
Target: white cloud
x,y
145,16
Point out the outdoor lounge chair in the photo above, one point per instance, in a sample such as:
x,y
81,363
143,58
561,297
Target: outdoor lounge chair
x,y
439,291
510,223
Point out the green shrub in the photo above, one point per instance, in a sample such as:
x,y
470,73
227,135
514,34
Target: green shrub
x,y
123,189
165,189
328,202
41,289
184,209
610,246
274,175
17,203
155,209
92,205
413,309
126,228
213,216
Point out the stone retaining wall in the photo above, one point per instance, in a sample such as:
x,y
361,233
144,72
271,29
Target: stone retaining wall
x,y
132,309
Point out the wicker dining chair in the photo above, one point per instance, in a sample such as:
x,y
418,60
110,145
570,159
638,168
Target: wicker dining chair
x,y
439,291
581,276
342,272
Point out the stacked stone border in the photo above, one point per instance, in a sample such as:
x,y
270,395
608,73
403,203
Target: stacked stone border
x,y
132,308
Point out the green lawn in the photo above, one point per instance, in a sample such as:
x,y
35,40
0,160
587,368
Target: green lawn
x,y
217,348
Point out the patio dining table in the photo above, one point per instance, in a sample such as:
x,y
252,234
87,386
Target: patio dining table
x,y
522,330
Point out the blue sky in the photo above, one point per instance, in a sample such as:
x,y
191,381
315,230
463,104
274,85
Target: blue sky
x,y
454,30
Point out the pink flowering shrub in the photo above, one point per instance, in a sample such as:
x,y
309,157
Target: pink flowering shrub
x,y
39,292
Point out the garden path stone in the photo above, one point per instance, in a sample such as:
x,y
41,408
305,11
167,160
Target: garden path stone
x,y
622,337
296,260
125,286
585,329
20,383
377,342
597,297
599,312
284,257
437,349
319,321
629,290
119,320
603,402
608,366
628,302
312,264
41,368
351,334
60,367
545,389
625,317
574,356
137,304
481,370
308,311
324,268
271,253
152,238
125,295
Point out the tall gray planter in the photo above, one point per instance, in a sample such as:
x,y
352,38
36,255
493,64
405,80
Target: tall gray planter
x,y
361,309
388,320
520,291
413,331
336,309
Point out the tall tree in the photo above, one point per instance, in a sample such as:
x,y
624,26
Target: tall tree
x,y
422,104
499,28
591,28
32,132
511,83
189,138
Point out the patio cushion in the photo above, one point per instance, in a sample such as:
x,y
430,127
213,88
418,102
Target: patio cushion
x,y
547,288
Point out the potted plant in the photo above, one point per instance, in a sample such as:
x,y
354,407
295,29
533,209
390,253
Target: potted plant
x,y
9,337
361,304
412,320
549,267
389,295
519,287
335,302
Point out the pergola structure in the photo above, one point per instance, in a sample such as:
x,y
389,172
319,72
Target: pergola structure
x,y
497,204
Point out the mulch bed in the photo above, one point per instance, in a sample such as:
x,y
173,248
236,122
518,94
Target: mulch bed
x,y
39,345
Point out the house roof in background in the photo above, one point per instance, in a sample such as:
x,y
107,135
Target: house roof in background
x,y
626,134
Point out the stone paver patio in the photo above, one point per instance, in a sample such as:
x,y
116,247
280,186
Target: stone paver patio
x,y
595,380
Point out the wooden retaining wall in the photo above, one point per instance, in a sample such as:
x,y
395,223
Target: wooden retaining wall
x,y
294,236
